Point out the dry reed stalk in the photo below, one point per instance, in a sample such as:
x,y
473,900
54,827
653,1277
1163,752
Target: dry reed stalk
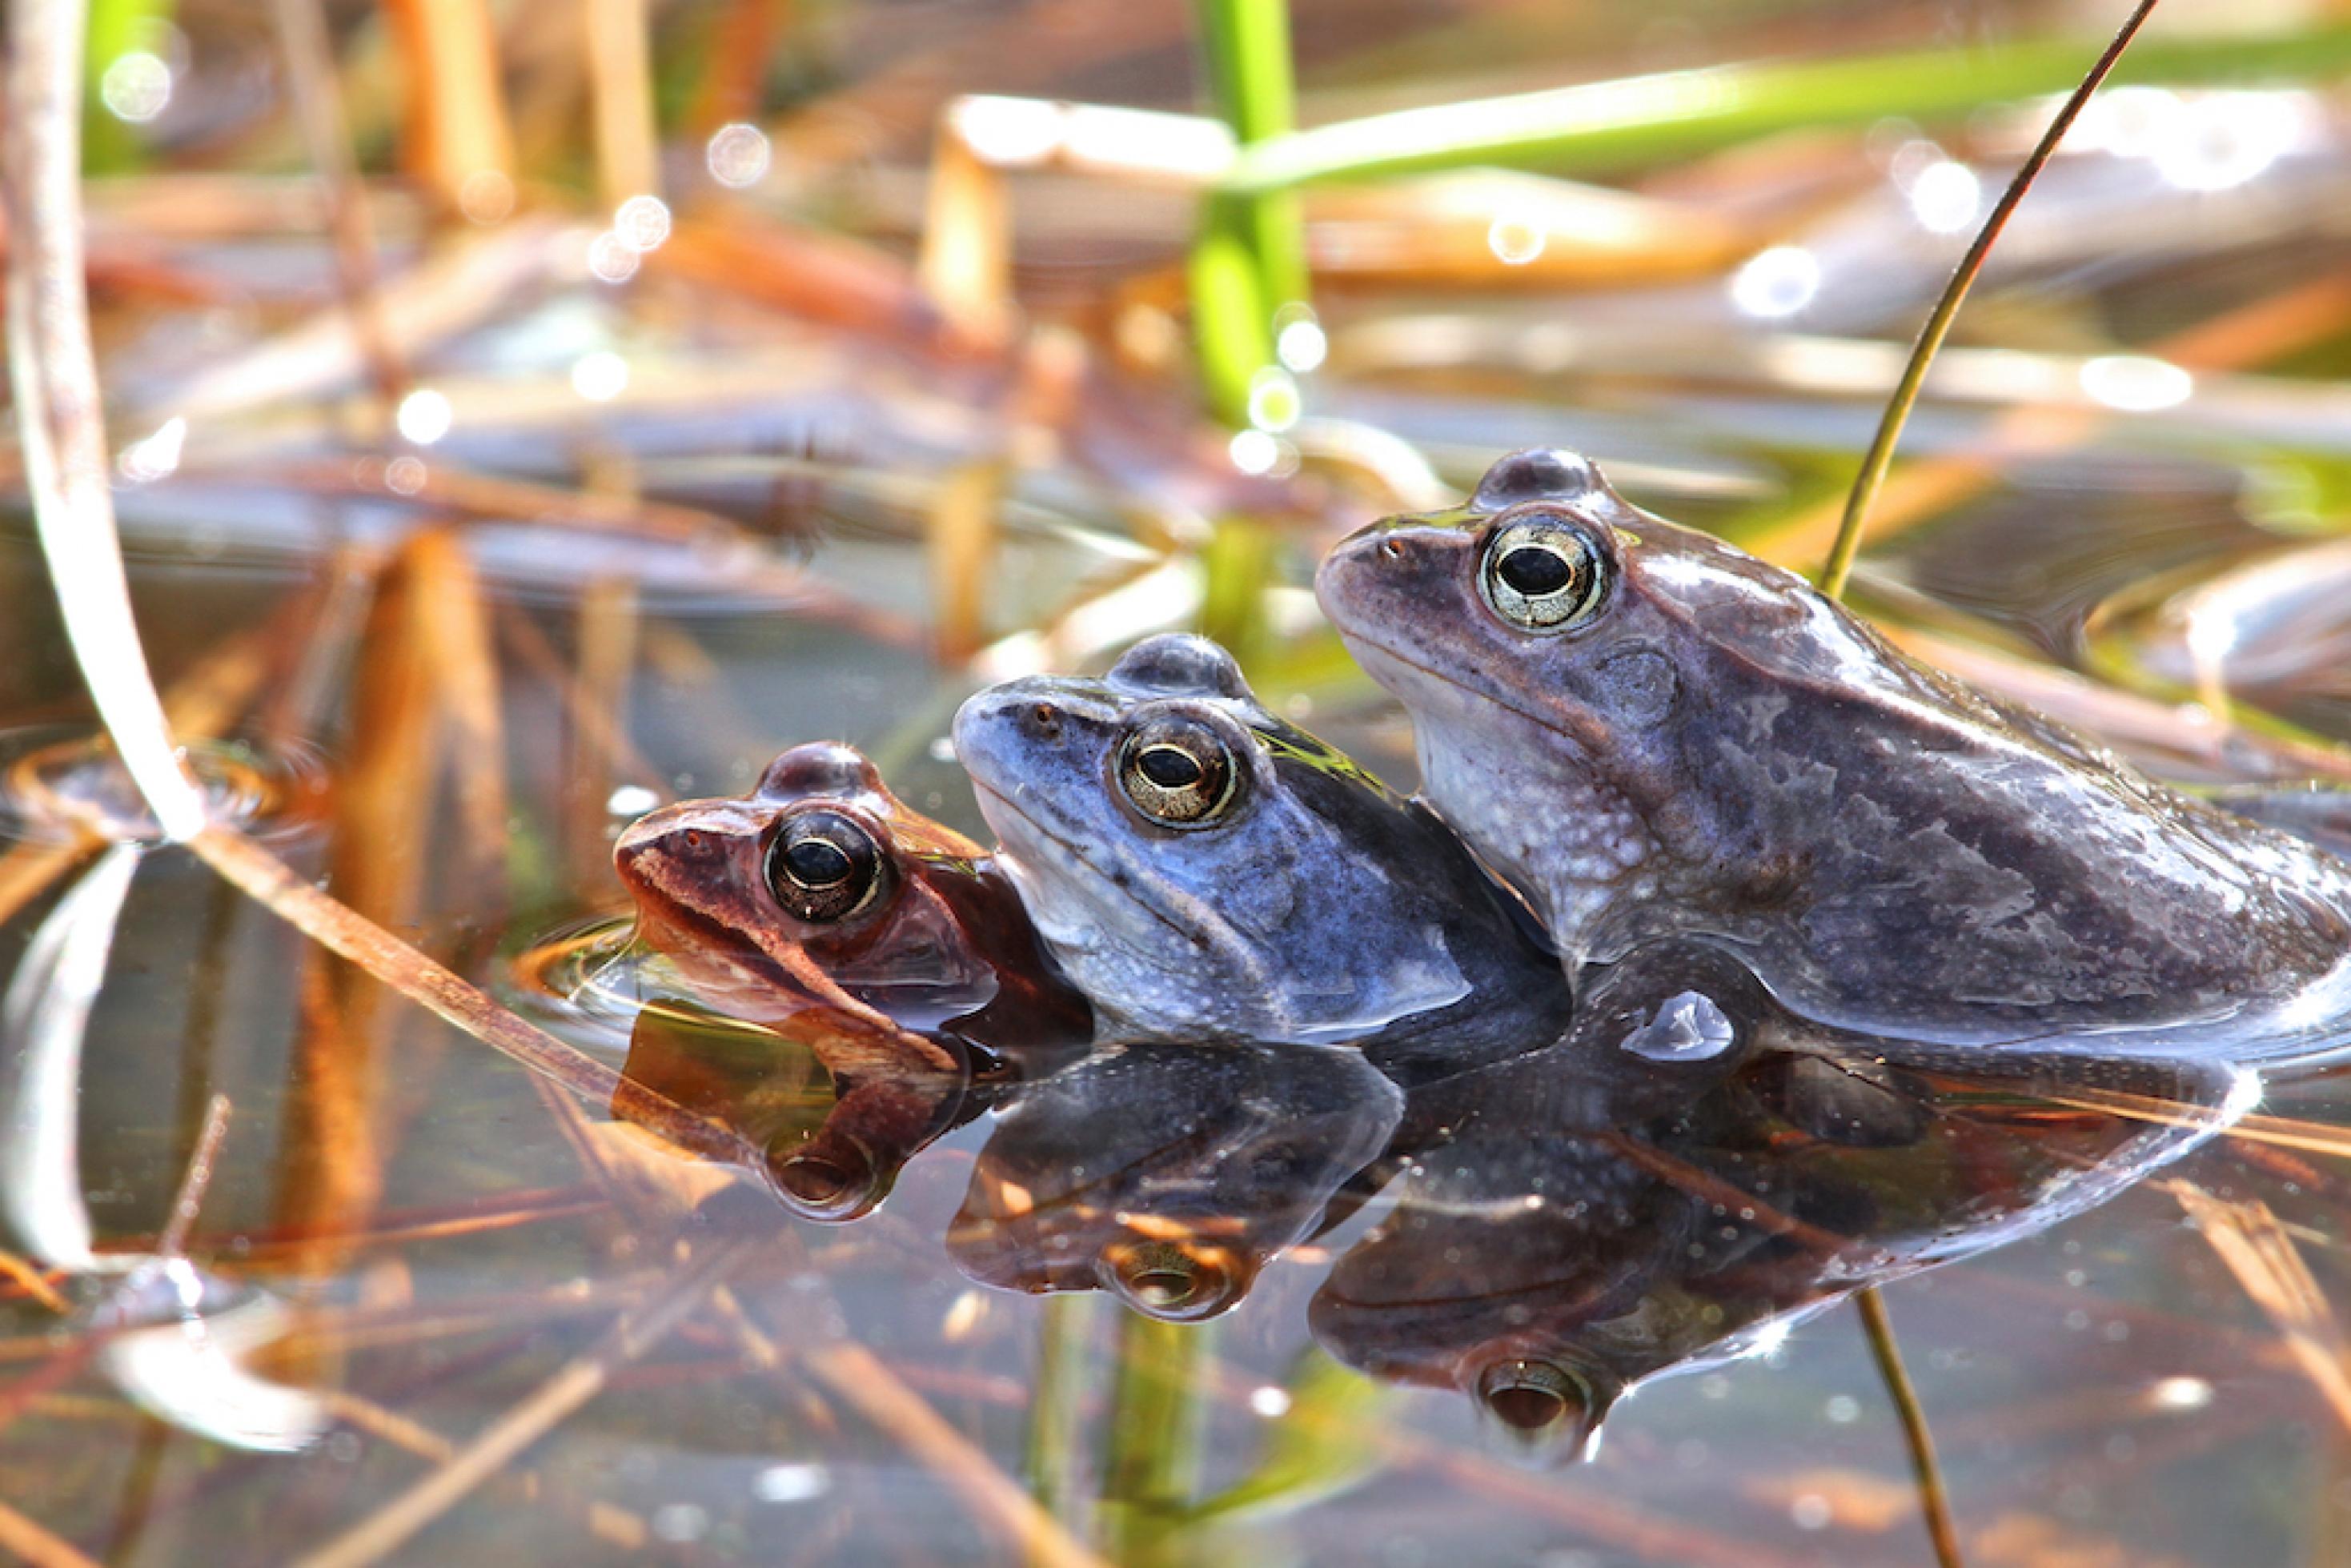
x,y
331,1177
455,123
195,1181
265,878
319,105
201,705
961,541
743,48
30,1280
468,280
454,630
620,88
823,277
605,1521
616,755
36,1545
2238,338
966,260
2266,1264
461,496
607,665
396,1523
61,421
2276,1132
861,1380
1686,1177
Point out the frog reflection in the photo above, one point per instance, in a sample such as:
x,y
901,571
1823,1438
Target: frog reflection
x,y
1167,1173
1204,870
830,1119
1580,1219
1655,735
821,871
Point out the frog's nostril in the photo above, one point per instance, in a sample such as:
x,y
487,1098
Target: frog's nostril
x,y
1391,550
1046,720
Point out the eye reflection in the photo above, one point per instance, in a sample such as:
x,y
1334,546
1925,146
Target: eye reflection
x,y
1172,1281
1536,1397
831,1183
1179,772
824,867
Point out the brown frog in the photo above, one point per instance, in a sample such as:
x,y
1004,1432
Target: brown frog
x,y
1655,735
821,890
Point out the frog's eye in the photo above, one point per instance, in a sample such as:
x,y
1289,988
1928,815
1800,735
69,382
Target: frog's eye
x,y
824,867
1179,772
1545,574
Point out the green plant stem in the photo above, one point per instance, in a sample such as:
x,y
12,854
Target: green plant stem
x,y
1880,455
1250,258
1053,1416
1934,1501
1642,119
1154,1458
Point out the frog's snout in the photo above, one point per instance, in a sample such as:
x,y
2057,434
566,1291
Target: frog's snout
x,y
1370,565
995,729
688,835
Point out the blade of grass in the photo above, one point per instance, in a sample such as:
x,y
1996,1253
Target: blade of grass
x,y
1249,260
59,422
1639,119
1880,455
1154,1459
1054,1417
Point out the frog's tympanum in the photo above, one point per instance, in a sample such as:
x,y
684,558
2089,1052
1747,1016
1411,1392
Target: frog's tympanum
x,y
1167,1174
1576,1219
1655,735
822,870
1204,870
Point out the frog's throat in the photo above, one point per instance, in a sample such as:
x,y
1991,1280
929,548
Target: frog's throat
x,y
1206,927
1587,734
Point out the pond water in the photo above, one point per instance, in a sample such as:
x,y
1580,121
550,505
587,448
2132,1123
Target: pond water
x,y
430,1310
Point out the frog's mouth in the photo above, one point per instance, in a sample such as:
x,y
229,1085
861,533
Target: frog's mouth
x,y
1099,873
1583,732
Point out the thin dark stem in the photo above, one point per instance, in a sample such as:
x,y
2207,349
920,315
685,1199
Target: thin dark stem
x,y
1880,455
1934,1502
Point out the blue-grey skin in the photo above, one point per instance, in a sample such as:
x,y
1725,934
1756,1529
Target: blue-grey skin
x,y
1315,905
1577,1219
1165,1173
1707,748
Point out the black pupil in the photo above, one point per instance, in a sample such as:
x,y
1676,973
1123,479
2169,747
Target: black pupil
x,y
1169,768
1535,571
815,862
